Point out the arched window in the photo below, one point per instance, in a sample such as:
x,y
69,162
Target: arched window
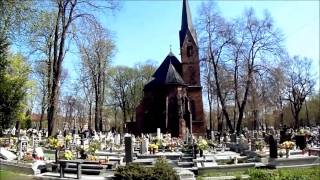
x,y
189,51
193,109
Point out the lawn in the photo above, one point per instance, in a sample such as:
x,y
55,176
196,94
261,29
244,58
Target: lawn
x,y
13,176
306,173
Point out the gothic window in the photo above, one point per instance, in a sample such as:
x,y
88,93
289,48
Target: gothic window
x,y
189,51
193,109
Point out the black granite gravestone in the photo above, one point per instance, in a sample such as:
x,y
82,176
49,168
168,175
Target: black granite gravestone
x,y
273,149
128,149
301,141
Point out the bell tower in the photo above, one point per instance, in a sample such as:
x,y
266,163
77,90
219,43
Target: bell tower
x,y
191,69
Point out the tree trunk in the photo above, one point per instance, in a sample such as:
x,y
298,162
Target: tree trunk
x,y
90,115
53,103
307,113
42,112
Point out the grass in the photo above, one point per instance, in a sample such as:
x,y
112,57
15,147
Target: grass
x,y
13,176
306,173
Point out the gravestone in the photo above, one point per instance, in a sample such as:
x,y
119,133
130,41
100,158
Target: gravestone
x,y
158,133
39,152
7,155
117,139
60,139
212,136
253,144
23,146
273,150
301,141
73,147
233,137
128,149
255,134
144,146
35,141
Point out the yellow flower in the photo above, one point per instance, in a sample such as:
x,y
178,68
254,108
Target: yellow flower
x,y
68,138
68,155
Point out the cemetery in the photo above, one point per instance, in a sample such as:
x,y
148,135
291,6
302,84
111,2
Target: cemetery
x,y
256,116
106,155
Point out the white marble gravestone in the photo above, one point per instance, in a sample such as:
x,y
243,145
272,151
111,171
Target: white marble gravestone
x,y
117,139
39,152
158,133
23,146
144,145
7,155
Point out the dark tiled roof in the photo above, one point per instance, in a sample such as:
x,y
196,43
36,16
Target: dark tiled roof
x,y
173,77
161,72
168,73
186,23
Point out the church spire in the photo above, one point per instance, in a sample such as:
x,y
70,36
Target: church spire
x,y
186,23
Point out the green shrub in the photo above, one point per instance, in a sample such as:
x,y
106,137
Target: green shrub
x,y
260,174
161,171
131,172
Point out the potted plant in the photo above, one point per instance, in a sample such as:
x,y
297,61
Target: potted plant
x,y
68,155
259,145
153,148
68,139
287,145
93,147
54,144
202,145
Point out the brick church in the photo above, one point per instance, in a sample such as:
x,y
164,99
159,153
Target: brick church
x,y
173,98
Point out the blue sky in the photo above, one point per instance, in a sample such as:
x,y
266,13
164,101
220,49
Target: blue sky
x,y
144,30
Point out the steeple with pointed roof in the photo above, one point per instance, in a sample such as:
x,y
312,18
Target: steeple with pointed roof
x,y
186,24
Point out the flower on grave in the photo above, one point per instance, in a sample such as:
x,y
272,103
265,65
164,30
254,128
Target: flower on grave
x,y
92,158
68,138
93,147
259,145
68,155
202,144
156,141
27,156
54,143
288,145
153,146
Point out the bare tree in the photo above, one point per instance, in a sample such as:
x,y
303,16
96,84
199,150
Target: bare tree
x,y
68,13
238,50
300,84
96,49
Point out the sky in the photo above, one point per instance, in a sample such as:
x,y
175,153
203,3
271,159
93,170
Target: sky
x,y
145,30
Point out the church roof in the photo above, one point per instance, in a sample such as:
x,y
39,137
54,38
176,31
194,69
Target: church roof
x,y
161,72
168,73
186,23
173,77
